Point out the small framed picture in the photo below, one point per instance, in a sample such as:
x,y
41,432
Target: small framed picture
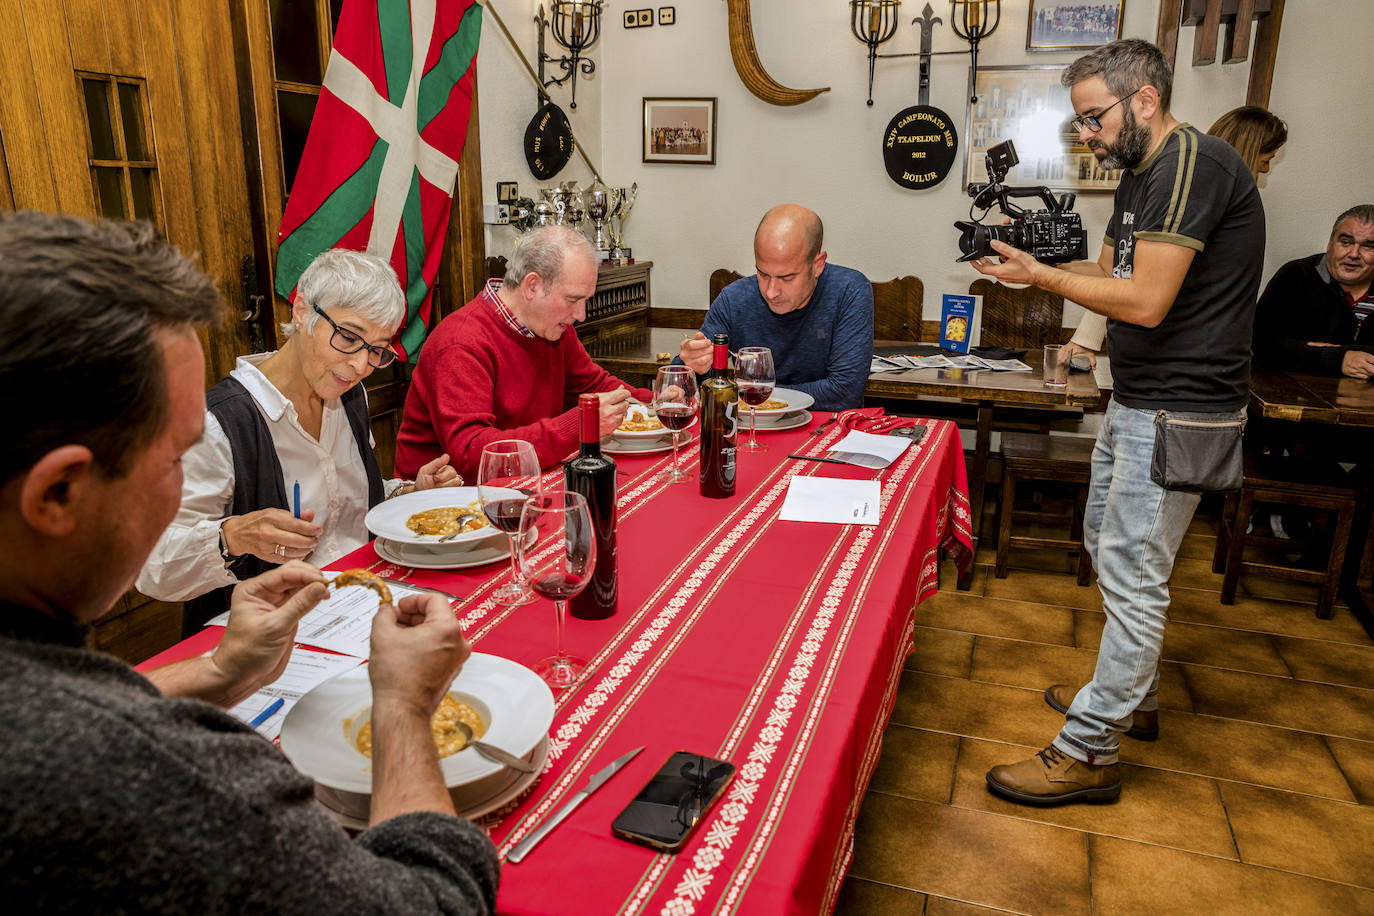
x,y
680,130
1066,25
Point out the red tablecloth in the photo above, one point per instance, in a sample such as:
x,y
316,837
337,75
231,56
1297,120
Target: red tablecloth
x,y
775,645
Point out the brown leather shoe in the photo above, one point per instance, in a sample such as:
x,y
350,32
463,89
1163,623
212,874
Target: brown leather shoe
x,y
1144,725
1054,778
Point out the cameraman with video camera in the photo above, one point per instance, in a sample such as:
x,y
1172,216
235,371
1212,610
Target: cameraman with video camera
x,y
1177,280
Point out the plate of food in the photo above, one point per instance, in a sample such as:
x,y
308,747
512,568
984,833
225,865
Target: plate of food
x,y
425,516
327,734
466,555
640,423
778,422
780,401
664,443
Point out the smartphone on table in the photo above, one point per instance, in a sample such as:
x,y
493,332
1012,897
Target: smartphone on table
x,y
669,807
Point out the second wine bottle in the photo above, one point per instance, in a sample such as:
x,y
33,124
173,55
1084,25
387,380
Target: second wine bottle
x,y
719,409
593,475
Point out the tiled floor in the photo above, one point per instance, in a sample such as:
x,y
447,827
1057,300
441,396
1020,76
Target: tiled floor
x,y
1257,798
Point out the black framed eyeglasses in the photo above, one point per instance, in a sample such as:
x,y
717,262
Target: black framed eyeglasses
x,y
1094,122
345,341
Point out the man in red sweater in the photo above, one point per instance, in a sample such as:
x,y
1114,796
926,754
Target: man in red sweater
x,y
508,365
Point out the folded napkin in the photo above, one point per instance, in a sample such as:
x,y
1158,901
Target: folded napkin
x,y
872,420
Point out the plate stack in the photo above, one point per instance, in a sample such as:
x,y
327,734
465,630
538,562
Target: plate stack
x,y
793,416
319,732
396,543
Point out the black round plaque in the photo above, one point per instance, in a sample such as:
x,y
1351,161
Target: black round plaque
x,y
548,141
919,146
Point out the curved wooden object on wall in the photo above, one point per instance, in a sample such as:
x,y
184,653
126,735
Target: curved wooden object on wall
x,y
750,68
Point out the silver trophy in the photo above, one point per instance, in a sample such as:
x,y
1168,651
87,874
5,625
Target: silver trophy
x,y
598,205
621,202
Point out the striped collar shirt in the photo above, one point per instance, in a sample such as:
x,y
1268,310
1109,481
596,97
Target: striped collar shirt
x,y
490,293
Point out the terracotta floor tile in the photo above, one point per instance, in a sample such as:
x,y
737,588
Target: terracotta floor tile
x,y
961,707
1044,588
1194,606
993,617
1035,667
1130,879
1356,760
1156,806
1328,663
941,652
1299,833
1343,711
1201,645
1242,752
916,764
865,898
971,856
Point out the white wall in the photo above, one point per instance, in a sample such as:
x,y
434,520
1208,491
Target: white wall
x,y
826,153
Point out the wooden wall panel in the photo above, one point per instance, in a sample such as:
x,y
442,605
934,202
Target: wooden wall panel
x,y
124,28
169,128
59,114
21,124
6,194
1266,52
89,46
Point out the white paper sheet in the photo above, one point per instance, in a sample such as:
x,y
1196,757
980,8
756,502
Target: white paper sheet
x,y
869,451
306,669
828,499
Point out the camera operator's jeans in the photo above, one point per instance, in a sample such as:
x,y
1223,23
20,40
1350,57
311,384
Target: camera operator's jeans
x,y
1132,530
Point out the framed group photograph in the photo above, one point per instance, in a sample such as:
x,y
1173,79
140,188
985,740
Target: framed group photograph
x,y
1029,106
1067,25
680,130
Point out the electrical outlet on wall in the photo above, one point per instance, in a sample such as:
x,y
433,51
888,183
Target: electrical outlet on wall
x,y
638,19
667,15
496,214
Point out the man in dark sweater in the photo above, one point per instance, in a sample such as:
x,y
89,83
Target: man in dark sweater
x,y
1312,316
817,318
126,794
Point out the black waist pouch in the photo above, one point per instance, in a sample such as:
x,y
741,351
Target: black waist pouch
x,y
1198,452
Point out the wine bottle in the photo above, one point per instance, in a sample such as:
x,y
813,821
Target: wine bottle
x,y
719,407
593,475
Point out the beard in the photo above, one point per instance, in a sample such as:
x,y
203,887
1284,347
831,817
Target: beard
x,y
1130,148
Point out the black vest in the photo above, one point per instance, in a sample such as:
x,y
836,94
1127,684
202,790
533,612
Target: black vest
x,y
258,481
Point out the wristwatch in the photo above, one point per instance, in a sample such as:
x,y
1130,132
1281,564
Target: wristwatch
x,y
229,558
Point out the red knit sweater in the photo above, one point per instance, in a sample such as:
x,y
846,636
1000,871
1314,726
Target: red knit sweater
x,y
478,381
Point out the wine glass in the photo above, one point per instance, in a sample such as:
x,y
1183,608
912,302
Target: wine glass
x,y
754,375
557,548
676,402
507,474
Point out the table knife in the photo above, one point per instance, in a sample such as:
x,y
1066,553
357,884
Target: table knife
x,y
597,780
818,458
428,588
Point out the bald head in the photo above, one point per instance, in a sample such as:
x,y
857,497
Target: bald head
x,y
789,229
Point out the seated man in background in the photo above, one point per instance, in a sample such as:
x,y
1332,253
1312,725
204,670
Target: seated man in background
x,y
508,364
817,318
1312,315
128,794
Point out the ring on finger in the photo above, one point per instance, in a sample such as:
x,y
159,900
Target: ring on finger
x,y
281,550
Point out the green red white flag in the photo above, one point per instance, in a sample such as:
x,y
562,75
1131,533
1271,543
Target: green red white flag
x,y
381,159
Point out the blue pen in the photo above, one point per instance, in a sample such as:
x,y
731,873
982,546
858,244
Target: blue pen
x,y
267,713
296,500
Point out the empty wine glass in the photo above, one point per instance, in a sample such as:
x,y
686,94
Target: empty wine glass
x,y
557,549
754,375
676,402
507,474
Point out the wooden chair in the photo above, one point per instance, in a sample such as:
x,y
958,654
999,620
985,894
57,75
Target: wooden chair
x,y
897,309
720,279
1023,318
496,267
1042,457
1263,485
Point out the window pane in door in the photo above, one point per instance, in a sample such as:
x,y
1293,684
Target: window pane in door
x,y
131,116
296,109
97,94
109,188
141,184
295,41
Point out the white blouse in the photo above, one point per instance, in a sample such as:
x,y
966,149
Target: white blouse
x,y
186,562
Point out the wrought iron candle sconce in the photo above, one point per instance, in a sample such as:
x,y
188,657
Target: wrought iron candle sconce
x,y
969,20
873,22
576,25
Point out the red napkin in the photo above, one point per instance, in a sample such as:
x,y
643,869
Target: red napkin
x,y
871,420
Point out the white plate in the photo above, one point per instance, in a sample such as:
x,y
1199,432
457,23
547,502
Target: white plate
x,y
768,424
466,556
639,410
613,446
388,518
318,731
796,400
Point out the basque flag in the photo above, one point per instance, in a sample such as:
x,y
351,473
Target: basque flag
x,y
380,161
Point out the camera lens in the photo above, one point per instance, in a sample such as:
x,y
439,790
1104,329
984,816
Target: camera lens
x,y
975,240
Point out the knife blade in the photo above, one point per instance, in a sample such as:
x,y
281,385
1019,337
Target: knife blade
x,y
596,781
427,588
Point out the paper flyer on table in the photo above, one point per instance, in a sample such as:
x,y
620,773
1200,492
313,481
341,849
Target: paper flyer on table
x,y
829,499
343,621
306,669
869,451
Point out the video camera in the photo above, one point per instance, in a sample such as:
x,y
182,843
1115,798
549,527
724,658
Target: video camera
x,y
1053,235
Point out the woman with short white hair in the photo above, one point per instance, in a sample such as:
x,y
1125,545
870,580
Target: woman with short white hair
x,y
295,417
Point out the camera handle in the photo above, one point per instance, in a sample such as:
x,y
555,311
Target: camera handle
x,y
985,196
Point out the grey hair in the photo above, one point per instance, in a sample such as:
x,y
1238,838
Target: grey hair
x,y
543,251
1363,213
340,278
1124,66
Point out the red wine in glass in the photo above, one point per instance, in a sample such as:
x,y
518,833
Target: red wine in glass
x,y
676,416
752,394
504,514
557,586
